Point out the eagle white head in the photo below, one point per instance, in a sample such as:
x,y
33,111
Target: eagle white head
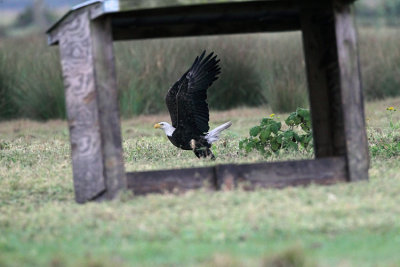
x,y
166,127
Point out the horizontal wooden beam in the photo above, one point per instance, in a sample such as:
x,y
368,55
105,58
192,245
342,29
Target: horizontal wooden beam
x,y
248,176
169,180
245,17
166,31
226,10
281,174
129,5
191,20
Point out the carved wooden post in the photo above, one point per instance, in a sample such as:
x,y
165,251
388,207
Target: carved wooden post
x,y
92,108
330,48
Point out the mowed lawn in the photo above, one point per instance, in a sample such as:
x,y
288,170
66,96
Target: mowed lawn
x,y
354,224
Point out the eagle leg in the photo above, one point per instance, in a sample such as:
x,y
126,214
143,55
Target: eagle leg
x,y
200,150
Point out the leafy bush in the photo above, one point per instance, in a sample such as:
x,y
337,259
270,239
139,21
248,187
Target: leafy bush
x,y
269,137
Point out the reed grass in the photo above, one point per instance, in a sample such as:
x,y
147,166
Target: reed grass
x,y
257,69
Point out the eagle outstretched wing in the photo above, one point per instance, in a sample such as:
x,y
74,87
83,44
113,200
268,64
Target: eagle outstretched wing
x,y
187,98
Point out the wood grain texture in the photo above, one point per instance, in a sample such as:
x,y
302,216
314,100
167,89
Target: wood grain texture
x,y
82,110
290,23
352,94
190,9
247,176
195,20
170,180
281,174
330,48
320,53
191,20
107,102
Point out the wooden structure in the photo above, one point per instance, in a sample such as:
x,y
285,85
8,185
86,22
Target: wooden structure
x,y
85,37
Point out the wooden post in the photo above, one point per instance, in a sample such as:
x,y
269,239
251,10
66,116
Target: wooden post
x,y
335,92
107,101
322,69
352,94
92,107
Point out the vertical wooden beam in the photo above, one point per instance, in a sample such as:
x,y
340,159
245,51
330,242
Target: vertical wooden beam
x,y
92,107
352,94
335,92
320,52
82,110
107,101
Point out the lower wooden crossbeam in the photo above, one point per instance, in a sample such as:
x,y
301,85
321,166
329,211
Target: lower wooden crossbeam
x,y
247,176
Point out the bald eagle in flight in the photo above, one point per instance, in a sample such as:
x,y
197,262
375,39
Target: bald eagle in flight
x,y
187,105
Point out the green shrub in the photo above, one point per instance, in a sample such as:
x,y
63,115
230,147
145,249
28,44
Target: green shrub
x,y
269,137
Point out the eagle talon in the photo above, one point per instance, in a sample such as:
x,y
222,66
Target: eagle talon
x,y
193,144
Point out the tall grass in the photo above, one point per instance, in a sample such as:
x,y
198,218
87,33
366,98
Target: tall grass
x,y
147,69
282,71
257,69
380,62
7,109
34,88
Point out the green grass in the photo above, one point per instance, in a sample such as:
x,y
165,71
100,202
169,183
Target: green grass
x,y
354,224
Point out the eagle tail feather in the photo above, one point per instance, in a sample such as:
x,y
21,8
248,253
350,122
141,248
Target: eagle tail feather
x,y
213,135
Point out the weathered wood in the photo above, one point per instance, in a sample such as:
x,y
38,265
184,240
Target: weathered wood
x,y
245,17
190,20
190,9
107,102
92,107
82,110
352,94
320,53
170,180
281,174
335,92
287,23
248,176
55,32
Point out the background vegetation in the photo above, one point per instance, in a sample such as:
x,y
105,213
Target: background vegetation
x,y
378,12
256,70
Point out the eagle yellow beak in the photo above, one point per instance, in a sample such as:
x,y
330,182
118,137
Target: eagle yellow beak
x,y
157,125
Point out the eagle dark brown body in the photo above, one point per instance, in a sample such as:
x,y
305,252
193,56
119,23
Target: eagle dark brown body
x,y
187,105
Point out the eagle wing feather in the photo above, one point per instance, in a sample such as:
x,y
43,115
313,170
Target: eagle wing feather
x,y
187,98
